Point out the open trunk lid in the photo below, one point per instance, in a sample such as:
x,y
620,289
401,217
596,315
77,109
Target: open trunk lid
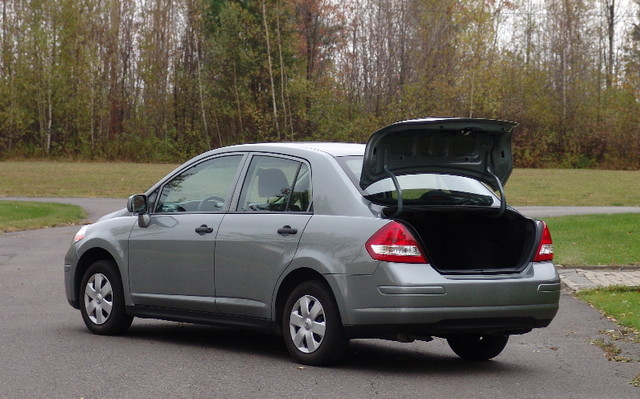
x,y
476,148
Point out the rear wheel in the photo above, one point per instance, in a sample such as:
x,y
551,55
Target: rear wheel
x,y
311,325
102,300
477,347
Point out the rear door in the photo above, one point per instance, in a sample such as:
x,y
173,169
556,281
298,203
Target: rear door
x,y
257,241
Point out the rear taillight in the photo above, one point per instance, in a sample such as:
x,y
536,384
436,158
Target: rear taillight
x,y
545,249
394,243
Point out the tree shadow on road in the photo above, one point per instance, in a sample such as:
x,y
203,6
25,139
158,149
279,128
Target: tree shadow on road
x,y
209,337
418,358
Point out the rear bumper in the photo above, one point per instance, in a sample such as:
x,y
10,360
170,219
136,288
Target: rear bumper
x,y
415,299
507,320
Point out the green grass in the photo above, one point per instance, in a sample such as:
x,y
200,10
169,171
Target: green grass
x,y
573,187
620,303
15,216
539,187
78,179
590,240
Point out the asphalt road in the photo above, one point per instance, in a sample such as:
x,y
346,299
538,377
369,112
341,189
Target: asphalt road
x,y
46,352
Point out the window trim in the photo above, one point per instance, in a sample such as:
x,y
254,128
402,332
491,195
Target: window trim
x,y
242,181
232,188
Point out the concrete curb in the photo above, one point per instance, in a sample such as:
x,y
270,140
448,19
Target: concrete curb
x,y
580,279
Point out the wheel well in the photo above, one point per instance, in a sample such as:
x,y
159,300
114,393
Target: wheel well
x,y
290,282
88,258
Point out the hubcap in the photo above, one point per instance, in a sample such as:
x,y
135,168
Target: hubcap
x,y
98,298
307,324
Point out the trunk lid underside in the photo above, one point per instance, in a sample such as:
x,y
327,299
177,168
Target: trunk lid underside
x,y
477,148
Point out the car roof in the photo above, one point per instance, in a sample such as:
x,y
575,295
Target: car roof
x,y
330,148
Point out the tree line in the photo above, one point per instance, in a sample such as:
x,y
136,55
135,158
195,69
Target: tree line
x,y
161,80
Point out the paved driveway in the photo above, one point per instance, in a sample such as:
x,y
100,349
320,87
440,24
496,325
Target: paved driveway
x,y
546,211
46,352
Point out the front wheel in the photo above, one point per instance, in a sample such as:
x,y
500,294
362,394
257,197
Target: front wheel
x,y
311,325
102,300
477,347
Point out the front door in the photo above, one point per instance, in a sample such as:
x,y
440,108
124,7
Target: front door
x,y
171,262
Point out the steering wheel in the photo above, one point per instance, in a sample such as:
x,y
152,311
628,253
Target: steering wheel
x,y
217,201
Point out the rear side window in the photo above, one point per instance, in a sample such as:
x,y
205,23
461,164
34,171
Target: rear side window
x,y
276,184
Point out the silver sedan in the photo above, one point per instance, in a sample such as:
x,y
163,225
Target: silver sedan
x,y
407,237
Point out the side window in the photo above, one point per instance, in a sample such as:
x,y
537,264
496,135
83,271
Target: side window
x,y
204,187
276,185
301,196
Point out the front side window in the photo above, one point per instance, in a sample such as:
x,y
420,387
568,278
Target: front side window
x,y
204,187
276,185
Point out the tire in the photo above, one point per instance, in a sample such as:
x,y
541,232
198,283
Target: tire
x,y
102,300
311,325
477,347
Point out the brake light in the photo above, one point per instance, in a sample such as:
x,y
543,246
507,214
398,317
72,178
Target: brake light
x,y
394,243
545,249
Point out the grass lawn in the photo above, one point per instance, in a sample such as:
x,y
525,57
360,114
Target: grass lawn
x,y
540,187
620,303
78,179
15,216
590,240
573,187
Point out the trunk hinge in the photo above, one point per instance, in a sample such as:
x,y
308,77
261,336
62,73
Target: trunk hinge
x,y
490,169
503,197
398,190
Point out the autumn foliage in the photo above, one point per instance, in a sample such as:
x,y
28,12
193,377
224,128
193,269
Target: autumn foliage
x,y
162,80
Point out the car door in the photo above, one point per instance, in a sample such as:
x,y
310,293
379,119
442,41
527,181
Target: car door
x,y
171,260
257,241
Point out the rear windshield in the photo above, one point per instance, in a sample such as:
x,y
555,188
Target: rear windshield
x,y
423,189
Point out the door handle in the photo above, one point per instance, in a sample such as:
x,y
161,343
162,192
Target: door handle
x,y
287,230
204,229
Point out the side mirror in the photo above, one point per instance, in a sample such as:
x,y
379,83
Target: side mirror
x,y
139,205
